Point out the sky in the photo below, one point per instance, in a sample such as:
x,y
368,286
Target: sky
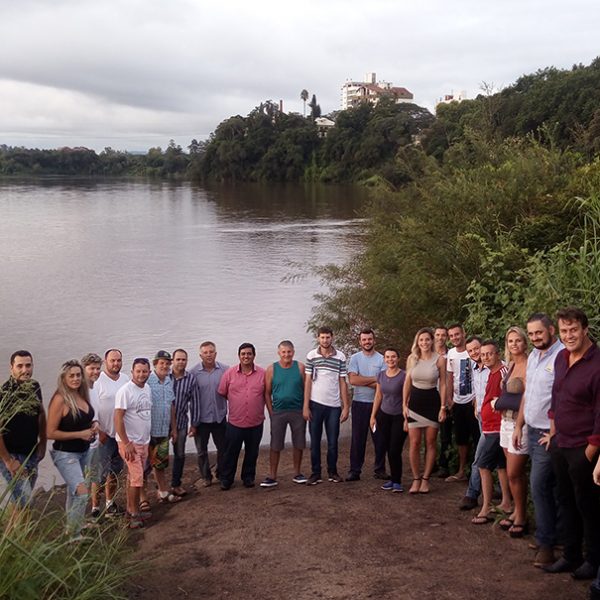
x,y
133,74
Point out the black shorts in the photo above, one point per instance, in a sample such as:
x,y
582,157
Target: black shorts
x,y
492,456
466,427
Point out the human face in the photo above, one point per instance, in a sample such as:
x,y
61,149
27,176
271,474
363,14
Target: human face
x,y
540,336
425,342
208,355
113,362
457,337
573,335
22,368
92,372
286,354
180,361
391,359
441,337
246,357
367,342
162,367
474,350
325,340
516,344
72,378
140,374
489,356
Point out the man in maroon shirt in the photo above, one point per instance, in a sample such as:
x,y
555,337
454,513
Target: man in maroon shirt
x,y
574,440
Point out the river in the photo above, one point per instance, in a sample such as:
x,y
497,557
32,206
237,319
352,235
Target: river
x,y
149,265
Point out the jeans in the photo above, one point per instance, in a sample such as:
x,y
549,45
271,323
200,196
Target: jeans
x,y
330,417
178,457
203,433
543,490
22,487
234,438
474,487
361,417
72,467
110,459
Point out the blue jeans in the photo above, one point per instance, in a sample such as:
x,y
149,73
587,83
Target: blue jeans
x,y
110,459
543,490
73,468
178,457
474,487
330,417
21,489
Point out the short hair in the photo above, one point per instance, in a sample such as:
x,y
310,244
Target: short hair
x,y
285,343
112,350
572,313
324,330
179,350
91,359
455,326
543,317
436,327
390,349
490,342
366,331
473,338
140,361
247,345
21,354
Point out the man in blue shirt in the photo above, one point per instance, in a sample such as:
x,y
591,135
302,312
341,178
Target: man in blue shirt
x,y
362,373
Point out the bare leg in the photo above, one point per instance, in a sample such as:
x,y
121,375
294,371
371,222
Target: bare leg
x,y
515,468
414,439
110,487
463,452
161,481
274,456
506,499
487,485
297,461
133,499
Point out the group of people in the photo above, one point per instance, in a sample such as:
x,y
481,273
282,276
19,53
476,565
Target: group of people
x,y
544,405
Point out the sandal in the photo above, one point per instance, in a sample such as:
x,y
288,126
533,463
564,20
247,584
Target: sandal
x,y
169,499
506,524
424,480
145,506
518,530
414,489
481,520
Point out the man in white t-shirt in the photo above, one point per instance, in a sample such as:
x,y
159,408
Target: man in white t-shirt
x,y
133,406
109,382
461,398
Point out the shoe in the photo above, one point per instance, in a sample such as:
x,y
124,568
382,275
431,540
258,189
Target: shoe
x,y
114,510
562,565
381,475
335,478
352,476
135,522
468,503
95,514
314,479
267,482
248,483
225,486
585,571
207,482
299,478
388,486
397,488
544,557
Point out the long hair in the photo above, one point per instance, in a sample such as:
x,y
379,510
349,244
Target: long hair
x,y
415,351
514,329
70,396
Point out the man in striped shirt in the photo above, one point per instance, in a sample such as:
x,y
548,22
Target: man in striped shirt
x,y
186,391
325,402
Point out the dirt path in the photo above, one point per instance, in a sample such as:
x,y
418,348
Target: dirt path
x,y
346,540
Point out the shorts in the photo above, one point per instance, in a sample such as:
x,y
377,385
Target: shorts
x,y
507,428
466,426
158,453
135,467
110,459
280,421
492,456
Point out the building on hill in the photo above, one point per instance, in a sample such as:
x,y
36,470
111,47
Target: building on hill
x,y
448,98
324,125
371,90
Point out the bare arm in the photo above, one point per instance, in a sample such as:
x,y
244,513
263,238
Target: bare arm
x,y
55,414
441,363
345,400
307,393
12,464
173,423
269,389
122,433
449,389
42,437
376,405
362,380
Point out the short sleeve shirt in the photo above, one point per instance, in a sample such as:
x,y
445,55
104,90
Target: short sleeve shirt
x,y
137,404
459,364
367,366
325,373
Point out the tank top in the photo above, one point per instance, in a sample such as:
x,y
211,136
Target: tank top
x,y
78,422
287,387
425,374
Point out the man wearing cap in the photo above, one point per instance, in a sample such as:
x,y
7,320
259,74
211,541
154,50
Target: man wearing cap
x,y
162,425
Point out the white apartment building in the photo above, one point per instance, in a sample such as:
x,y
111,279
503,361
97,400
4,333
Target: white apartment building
x,y
370,90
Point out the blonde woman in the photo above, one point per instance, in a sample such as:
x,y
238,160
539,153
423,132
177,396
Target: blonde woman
x,y
515,354
425,373
71,425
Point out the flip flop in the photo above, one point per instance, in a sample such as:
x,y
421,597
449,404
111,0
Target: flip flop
x,y
518,530
454,478
482,520
506,524
145,506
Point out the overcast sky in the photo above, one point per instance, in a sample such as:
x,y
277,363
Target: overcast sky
x,y
132,74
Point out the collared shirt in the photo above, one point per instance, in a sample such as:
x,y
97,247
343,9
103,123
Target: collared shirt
x,y
538,388
480,378
163,398
20,434
212,407
575,405
367,366
187,398
245,393
325,372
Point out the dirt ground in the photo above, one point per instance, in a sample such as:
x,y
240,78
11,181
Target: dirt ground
x,y
334,541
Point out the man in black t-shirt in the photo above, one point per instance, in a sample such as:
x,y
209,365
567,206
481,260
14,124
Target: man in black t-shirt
x,y
22,427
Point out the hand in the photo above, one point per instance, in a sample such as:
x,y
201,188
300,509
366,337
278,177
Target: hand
x,y
174,435
597,473
102,437
493,404
372,423
13,465
345,414
590,452
41,451
192,432
306,414
129,451
442,414
87,435
516,438
405,424
545,441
